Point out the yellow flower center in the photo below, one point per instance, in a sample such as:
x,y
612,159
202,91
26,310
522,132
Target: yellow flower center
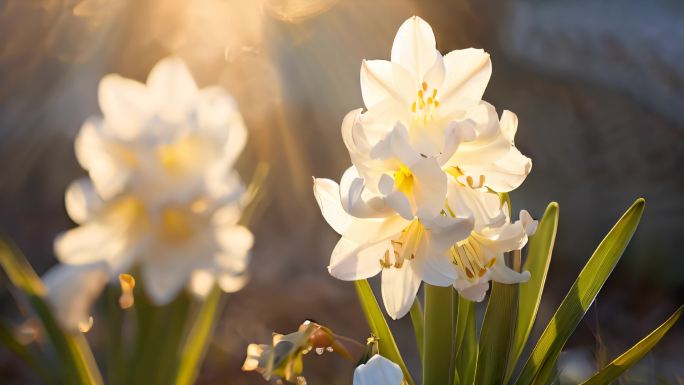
x,y
467,255
403,180
425,104
175,226
404,248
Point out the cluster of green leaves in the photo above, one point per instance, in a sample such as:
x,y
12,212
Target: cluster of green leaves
x,y
451,350
174,337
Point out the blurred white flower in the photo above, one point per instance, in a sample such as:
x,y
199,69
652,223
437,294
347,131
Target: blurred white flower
x,y
480,258
407,251
160,141
199,242
162,197
378,371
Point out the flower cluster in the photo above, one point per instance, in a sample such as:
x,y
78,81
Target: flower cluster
x,y
161,196
421,202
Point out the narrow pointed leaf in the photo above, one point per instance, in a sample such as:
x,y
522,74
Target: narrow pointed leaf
x,y
634,354
439,334
537,263
417,321
76,359
496,335
582,293
466,342
198,338
378,324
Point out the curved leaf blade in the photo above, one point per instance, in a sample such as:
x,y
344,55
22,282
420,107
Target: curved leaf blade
x,y
78,364
466,342
378,324
418,328
537,263
635,353
496,335
198,338
582,293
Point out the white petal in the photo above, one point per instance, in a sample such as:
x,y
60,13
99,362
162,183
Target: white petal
x,y
485,207
435,75
529,224
81,200
507,173
217,110
439,270
378,84
126,105
108,163
364,230
172,87
357,200
201,282
352,261
414,47
395,198
378,371
509,124
396,145
430,186
72,290
92,242
165,275
327,194
490,144
399,289
444,231
231,283
475,292
235,240
467,74
504,274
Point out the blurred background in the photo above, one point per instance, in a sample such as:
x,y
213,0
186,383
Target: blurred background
x,y
598,87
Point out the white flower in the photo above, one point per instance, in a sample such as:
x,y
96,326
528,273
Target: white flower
x,y
378,371
198,242
481,257
437,101
71,290
422,89
164,140
406,251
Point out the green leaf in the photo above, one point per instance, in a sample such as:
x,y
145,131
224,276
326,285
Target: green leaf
x,y
496,335
378,324
582,293
77,364
466,342
537,263
156,346
634,354
418,329
198,338
438,336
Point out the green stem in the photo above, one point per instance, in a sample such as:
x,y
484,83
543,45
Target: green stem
x,y
418,328
197,341
438,335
